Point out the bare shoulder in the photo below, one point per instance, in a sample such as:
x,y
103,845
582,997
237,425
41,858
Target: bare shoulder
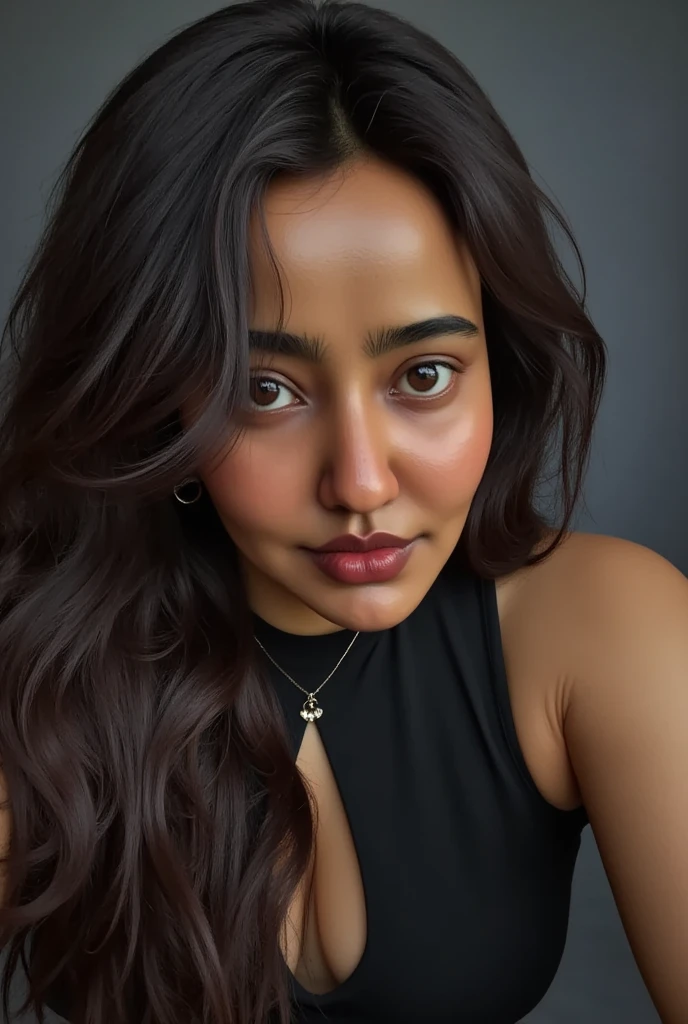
x,y
603,627
571,624
592,582
620,611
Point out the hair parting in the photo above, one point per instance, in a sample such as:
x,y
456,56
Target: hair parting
x,y
159,825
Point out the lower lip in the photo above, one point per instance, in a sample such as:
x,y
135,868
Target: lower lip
x,y
377,566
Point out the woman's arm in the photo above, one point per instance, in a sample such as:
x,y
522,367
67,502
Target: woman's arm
x,y
626,730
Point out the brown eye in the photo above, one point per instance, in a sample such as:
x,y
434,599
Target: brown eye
x,y
267,393
428,379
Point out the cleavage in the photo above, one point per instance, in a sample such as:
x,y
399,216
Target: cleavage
x,y
326,928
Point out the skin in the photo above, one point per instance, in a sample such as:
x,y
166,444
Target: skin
x,y
595,638
355,444
361,449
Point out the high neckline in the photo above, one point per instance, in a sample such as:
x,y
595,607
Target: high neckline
x,y
262,626
309,657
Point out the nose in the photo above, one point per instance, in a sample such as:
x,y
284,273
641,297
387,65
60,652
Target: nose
x,y
357,472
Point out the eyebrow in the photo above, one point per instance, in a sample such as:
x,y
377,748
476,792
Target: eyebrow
x,y
313,349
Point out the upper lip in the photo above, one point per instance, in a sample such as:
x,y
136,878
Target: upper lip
x,y
350,542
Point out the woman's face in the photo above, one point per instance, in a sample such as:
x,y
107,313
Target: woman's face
x,y
353,429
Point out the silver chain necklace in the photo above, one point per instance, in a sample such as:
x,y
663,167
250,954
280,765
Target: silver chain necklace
x,y
311,710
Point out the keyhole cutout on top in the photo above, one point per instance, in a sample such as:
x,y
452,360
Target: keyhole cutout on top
x,y
326,931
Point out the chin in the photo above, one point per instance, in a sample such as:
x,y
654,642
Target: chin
x,y
371,609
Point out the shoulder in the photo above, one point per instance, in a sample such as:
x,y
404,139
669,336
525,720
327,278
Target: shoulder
x,y
609,621
595,589
620,614
600,624
606,596
606,621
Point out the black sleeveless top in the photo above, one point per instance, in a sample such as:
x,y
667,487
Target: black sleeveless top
x,y
466,868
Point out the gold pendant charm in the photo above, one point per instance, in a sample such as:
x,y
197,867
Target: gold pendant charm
x,y
310,710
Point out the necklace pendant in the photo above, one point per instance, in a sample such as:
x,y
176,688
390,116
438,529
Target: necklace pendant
x,y
311,709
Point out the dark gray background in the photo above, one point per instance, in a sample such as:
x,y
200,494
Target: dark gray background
x,y
594,91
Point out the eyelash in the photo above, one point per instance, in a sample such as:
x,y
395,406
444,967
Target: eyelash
x,y
422,396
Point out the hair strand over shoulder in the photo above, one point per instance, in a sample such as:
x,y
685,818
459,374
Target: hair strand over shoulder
x,y
159,824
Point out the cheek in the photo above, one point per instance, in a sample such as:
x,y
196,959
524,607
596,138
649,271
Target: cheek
x,y
253,489
448,466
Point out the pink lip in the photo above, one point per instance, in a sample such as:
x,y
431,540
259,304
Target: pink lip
x,y
376,565
373,542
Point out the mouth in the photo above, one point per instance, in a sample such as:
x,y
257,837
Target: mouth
x,y
351,542
377,558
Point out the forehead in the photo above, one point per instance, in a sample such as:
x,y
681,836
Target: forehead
x,y
367,237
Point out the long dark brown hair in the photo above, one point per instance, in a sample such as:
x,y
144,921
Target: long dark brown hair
x,y
158,824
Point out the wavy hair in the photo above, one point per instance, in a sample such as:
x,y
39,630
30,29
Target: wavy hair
x,y
159,826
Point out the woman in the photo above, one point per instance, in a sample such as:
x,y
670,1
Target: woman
x,y
304,702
